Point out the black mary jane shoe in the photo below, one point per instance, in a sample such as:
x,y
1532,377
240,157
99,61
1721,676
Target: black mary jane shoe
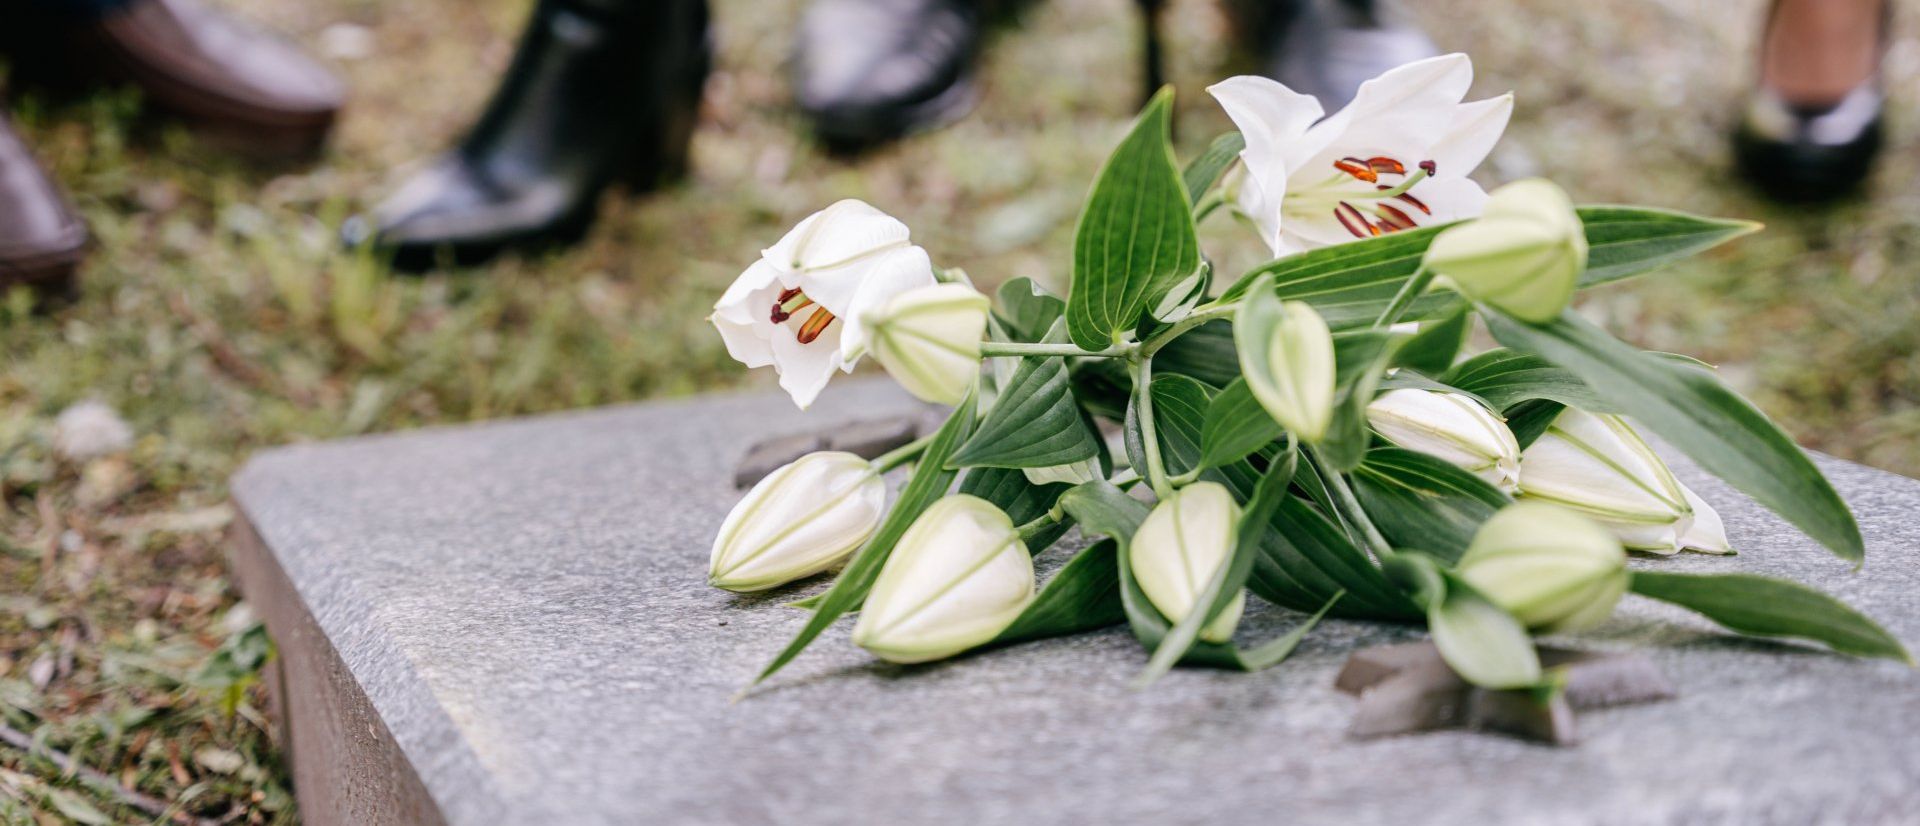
x,y
1327,48
599,92
869,71
1805,153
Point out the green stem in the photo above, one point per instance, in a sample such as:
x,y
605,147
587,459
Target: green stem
x,y
1019,348
902,454
1208,203
1156,469
1349,506
1200,315
1040,523
1409,292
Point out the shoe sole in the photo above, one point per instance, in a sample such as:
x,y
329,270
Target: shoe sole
x,y
49,274
852,131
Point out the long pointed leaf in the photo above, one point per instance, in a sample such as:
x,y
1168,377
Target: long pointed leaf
x,y
1763,607
1689,408
1035,423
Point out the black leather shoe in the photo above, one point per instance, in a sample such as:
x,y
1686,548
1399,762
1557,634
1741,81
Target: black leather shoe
x,y
1809,153
600,91
1327,48
41,239
868,71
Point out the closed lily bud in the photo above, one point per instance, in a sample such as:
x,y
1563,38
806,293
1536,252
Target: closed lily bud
x,y
1177,550
1551,568
1524,254
1451,427
1598,465
959,577
929,340
802,519
1292,375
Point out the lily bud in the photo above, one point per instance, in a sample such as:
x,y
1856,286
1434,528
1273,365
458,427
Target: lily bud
x,y
1451,427
959,577
1292,373
1177,550
929,340
802,519
1524,254
1551,568
1599,466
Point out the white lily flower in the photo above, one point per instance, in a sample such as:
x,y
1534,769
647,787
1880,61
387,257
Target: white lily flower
x,y
1184,540
1395,158
1451,427
1599,466
928,338
802,519
1552,569
798,308
959,577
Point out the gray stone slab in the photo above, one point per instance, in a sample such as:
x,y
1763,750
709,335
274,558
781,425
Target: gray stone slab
x,y
522,606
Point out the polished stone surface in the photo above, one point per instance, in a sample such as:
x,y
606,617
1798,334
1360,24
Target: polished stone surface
x,y
523,605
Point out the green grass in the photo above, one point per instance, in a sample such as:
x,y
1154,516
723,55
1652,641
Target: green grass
x,y
219,317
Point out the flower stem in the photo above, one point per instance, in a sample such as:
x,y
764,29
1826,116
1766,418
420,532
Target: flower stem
x,y
902,454
1409,292
1200,315
1208,203
1156,469
1349,506
1020,348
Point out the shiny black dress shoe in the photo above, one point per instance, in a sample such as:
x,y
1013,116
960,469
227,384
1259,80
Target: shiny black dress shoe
x,y
599,92
868,71
1798,152
1804,154
1327,48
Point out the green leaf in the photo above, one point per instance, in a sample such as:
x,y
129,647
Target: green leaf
x,y
1180,414
1762,607
1083,595
1305,559
1235,426
1206,169
1361,359
930,481
1227,580
1420,501
1205,353
1433,349
1027,309
1530,419
1104,510
1035,423
1136,237
1351,283
1504,377
1023,501
1690,409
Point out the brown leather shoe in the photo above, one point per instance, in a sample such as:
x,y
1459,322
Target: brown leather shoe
x,y
242,86
41,239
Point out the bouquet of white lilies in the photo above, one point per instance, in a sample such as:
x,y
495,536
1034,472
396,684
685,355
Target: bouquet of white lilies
x,y
1311,433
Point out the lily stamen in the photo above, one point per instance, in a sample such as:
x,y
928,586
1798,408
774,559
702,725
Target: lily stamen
x,y
791,301
814,326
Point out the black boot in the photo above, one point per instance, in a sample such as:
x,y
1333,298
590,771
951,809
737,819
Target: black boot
x,y
1327,48
867,71
599,91
1812,151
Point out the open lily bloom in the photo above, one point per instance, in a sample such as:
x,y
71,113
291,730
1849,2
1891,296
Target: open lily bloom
x,y
798,308
1395,158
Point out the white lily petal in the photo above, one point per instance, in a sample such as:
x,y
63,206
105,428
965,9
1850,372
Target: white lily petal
x,y
1476,127
1269,115
1708,535
1599,466
805,369
845,231
1451,198
892,273
1451,427
1401,114
743,315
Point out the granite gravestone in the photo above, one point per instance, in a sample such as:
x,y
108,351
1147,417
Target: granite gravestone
x,y
508,623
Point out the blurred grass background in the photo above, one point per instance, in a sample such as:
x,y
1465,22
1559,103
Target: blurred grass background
x,y
218,315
